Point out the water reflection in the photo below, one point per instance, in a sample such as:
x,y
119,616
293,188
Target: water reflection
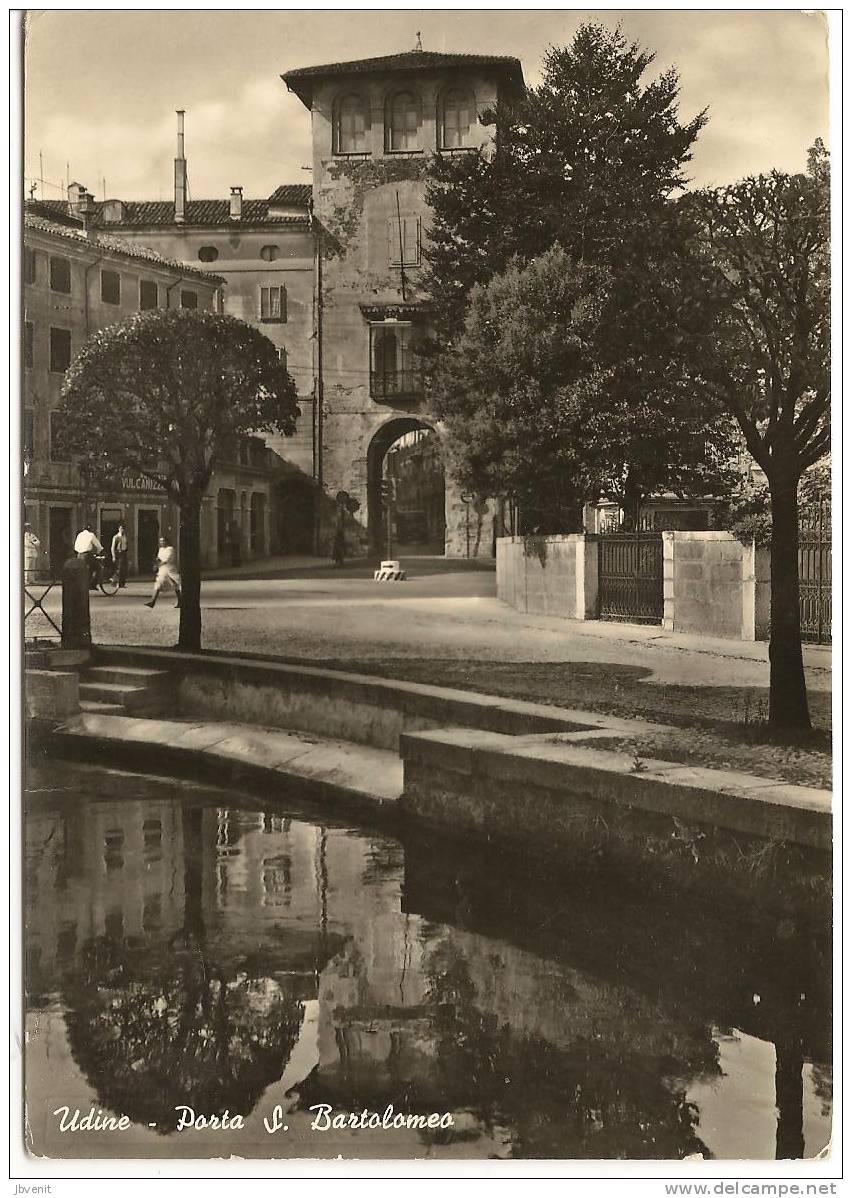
x,y
184,947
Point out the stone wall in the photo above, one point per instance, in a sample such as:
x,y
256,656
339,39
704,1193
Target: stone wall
x,y
551,576
712,583
715,585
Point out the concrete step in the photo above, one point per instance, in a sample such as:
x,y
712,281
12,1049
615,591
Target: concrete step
x,y
126,676
95,708
129,697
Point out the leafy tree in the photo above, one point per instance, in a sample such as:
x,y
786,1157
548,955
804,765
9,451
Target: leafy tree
x,y
768,239
535,416
586,159
591,161
168,395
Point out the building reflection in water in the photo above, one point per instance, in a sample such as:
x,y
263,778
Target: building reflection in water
x,y
203,951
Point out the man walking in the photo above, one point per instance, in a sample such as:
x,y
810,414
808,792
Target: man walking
x,y
166,572
87,546
118,551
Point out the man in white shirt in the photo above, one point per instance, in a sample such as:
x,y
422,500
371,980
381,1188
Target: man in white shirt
x,y
86,546
166,572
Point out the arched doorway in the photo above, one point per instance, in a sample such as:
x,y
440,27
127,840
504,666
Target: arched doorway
x,y
407,452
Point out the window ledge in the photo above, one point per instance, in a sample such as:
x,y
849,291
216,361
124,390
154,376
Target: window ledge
x,y
406,153
352,153
273,320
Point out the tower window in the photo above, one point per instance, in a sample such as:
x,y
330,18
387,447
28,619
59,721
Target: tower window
x,y
455,119
351,126
402,132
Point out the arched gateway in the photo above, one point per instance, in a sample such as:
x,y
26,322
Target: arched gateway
x,y
382,441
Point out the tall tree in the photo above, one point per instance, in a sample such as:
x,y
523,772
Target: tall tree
x,y
768,238
591,160
587,159
536,417
168,395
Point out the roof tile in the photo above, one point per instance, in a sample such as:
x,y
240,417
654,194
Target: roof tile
x,y
299,80
118,245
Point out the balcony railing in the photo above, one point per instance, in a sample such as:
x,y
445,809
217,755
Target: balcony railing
x,y
396,385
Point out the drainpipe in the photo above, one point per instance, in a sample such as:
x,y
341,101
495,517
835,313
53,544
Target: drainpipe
x,y
169,290
318,379
96,262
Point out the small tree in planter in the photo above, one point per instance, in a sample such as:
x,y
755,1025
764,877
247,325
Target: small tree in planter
x,y
168,395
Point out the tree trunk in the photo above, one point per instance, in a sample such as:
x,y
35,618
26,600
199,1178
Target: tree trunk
x,y
788,700
633,497
189,636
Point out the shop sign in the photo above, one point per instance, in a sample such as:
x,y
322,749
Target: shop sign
x,y
139,483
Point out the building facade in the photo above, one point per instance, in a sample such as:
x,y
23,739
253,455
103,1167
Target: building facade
x,y
375,125
263,249
76,280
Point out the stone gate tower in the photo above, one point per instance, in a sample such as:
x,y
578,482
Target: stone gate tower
x,y
375,124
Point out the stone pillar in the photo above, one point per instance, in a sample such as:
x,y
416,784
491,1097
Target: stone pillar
x,y
266,547
668,581
244,516
586,578
76,622
208,532
762,594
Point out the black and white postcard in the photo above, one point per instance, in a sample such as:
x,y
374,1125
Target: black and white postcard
x,y
424,493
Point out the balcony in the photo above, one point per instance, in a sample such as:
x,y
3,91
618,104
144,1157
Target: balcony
x,y
396,386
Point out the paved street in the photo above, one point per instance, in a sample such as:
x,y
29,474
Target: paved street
x,y
444,610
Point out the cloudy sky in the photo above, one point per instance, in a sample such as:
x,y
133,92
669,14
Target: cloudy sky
x,y
101,87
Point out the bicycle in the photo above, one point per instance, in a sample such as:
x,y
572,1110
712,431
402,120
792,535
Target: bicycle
x,y
106,583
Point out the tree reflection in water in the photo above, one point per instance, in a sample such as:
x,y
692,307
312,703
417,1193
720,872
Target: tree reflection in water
x,y
157,1027
601,1096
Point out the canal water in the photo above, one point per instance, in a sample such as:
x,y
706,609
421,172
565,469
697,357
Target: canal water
x,y
198,950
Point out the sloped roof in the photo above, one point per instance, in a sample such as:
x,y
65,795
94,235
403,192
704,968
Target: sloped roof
x,y
116,245
201,212
139,213
301,79
291,194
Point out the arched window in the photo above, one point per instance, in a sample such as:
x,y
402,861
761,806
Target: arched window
x,y
351,124
455,119
269,253
402,126
208,253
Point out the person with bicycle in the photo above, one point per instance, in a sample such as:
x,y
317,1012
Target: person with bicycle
x,y
87,547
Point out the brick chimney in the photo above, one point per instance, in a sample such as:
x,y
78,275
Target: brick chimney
x,y
76,191
236,203
87,214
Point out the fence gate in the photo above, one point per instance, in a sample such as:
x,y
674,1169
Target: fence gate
x,y
630,577
815,572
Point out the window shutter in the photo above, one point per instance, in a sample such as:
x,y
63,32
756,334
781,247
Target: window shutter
x,y
411,231
393,243
283,302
